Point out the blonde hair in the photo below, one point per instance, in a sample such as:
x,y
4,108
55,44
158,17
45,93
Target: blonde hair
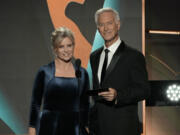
x,y
59,34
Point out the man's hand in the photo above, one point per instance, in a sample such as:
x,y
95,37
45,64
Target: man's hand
x,y
32,131
109,95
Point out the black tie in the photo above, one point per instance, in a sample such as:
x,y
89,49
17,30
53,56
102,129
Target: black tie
x,y
104,65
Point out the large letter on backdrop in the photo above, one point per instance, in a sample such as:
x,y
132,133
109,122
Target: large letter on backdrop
x,y
57,11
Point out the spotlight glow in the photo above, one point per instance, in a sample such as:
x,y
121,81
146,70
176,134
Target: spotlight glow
x,y
173,93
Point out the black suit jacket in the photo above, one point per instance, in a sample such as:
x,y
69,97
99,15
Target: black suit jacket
x,y
127,74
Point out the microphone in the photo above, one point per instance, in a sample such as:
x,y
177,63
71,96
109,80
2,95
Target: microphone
x,y
78,76
78,65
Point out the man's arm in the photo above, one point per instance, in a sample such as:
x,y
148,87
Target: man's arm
x,y
138,88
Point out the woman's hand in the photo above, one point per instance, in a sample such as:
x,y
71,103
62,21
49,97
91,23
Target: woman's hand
x,y
32,131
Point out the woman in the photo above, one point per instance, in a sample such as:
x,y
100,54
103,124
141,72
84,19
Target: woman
x,y
65,102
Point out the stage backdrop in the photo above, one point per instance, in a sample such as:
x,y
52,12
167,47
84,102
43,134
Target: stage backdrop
x,y
25,28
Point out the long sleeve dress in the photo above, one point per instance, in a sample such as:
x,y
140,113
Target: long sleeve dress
x,y
63,100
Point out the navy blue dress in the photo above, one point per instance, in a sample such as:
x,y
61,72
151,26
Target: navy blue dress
x,y
64,103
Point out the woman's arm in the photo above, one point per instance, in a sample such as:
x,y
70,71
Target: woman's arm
x,y
36,98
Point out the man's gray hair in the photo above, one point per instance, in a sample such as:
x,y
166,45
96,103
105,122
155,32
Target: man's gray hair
x,y
102,10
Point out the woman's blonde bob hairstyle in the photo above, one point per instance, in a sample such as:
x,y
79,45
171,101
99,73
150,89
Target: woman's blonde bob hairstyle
x,y
59,34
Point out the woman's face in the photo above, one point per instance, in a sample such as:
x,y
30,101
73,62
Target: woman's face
x,y
65,49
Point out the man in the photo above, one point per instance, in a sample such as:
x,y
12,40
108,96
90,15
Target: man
x,y
122,71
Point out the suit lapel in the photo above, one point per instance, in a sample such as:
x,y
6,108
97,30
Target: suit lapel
x,y
115,59
96,65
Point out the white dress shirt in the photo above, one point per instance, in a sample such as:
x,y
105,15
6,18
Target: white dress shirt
x,y
112,49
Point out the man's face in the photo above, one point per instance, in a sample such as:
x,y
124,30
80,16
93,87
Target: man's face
x,y
108,26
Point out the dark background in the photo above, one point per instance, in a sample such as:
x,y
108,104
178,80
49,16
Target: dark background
x,y
162,57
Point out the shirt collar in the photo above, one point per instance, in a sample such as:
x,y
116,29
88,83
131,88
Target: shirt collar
x,y
114,46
